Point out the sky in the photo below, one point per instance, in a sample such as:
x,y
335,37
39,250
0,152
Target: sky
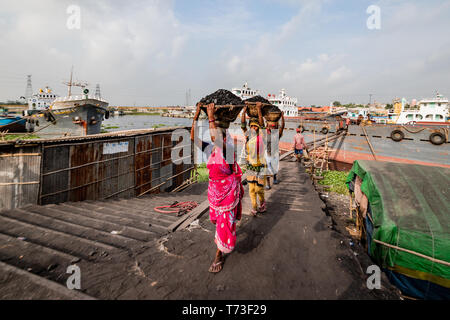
x,y
150,52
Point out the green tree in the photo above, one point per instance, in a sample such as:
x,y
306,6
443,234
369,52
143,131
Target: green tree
x,y
336,104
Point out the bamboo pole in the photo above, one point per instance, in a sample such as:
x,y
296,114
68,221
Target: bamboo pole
x,y
19,155
412,252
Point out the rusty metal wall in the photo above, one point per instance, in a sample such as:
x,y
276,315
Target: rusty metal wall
x,y
90,170
86,171
143,163
19,176
154,166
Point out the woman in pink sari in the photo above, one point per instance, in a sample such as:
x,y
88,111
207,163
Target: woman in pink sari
x,y
225,192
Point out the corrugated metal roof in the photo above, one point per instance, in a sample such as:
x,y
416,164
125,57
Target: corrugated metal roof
x,y
100,136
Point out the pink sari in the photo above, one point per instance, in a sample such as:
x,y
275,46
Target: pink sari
x,y
225,192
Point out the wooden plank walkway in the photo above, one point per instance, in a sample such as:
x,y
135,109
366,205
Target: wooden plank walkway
x,y
290,252
125,250
40,242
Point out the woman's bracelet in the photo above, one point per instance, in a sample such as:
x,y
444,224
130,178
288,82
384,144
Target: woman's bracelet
x,y
213,120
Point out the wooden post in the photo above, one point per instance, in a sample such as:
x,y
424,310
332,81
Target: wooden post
x,y
351,206
358,223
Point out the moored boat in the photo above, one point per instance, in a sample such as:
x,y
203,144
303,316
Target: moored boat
x,y
12,123
74,115
418,144
434,111
404,225
285,103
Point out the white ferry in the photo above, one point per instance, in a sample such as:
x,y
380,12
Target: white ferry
x,y
286,104
282,101
245,92
430,111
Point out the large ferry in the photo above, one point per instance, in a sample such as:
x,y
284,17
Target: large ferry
x,y
74,115
245,92
429,111
285,103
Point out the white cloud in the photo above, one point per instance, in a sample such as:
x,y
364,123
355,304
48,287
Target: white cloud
x,y
116,45
146,52
340,74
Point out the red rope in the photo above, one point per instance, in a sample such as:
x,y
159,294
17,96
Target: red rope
x,y
180,208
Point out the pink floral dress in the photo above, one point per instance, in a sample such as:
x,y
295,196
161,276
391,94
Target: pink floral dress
x,y
225,192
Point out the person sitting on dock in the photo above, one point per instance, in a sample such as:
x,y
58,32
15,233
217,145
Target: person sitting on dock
x,y
255,160
272,150
299,145
225,190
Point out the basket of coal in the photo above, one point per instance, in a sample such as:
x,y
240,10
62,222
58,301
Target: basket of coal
x,y
252,110
227,107
272,116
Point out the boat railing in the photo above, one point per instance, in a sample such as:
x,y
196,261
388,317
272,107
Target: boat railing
x,y
78,97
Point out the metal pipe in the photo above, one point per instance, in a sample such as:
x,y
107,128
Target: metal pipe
x,y
19,155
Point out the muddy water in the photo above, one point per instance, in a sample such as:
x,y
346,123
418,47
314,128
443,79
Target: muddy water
x,y
129,122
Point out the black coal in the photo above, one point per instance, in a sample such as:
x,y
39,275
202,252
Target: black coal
x,y
258,99
222,97
265,109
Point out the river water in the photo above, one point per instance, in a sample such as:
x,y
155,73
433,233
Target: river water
x,y
129,122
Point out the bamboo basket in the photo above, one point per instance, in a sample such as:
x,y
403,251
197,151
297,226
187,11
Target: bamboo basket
x,y
252,110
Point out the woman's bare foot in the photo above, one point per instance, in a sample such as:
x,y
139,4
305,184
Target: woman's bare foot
x,y
262,208
216,266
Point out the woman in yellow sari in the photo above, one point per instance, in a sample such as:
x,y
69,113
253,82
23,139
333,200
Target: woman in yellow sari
x,y
255,161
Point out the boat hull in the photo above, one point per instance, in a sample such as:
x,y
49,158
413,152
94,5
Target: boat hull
x,y
13,124
415,147
72,120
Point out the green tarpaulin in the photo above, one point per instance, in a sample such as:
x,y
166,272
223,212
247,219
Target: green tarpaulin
x,y
410,207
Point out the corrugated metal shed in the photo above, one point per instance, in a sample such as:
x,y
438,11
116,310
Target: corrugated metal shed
x,y
114,165
19,176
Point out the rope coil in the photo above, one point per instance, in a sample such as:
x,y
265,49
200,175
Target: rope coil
x,y
180,208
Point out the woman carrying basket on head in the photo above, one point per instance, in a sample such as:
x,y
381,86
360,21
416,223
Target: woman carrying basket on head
x,y
255,161
225,190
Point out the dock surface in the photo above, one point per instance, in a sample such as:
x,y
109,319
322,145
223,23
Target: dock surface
x,y
125,251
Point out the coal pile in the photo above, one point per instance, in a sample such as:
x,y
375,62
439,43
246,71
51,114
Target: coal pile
x,y
257,99
222,97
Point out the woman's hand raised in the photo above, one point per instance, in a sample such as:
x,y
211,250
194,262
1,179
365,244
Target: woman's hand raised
x,y
210,108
